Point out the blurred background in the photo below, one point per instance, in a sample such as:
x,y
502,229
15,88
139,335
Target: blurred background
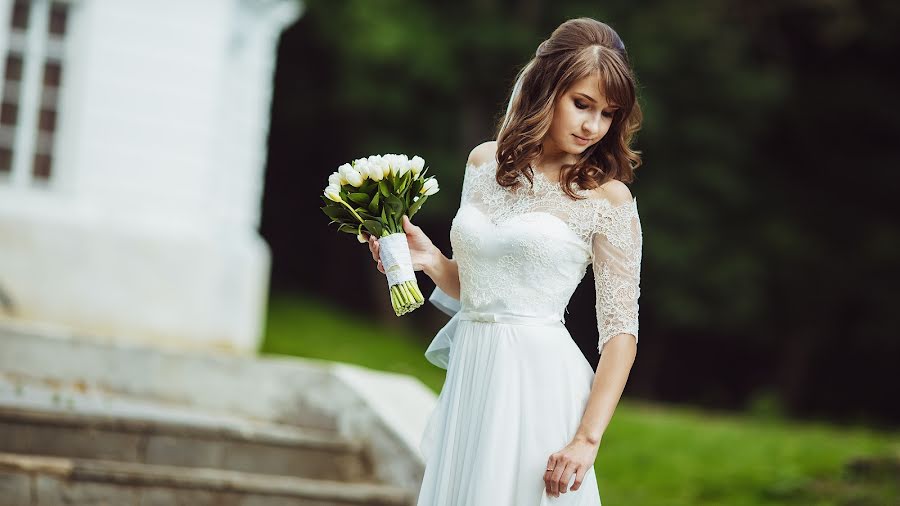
x,y
766,194
766,190
161,166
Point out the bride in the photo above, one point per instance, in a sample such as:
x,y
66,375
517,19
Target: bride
x,y
521,415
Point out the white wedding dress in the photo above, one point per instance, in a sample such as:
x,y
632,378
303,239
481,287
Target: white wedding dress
x,y
517,384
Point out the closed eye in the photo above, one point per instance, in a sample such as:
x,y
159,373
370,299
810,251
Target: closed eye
x,y
581,105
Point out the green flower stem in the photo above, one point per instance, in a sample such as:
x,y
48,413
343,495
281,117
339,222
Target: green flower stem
x,y
416,292
351,210
407,297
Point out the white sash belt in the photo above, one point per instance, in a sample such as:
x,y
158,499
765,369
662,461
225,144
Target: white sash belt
x,y
508,318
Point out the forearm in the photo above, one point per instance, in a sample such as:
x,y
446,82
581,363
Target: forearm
x,y
444,272
609,382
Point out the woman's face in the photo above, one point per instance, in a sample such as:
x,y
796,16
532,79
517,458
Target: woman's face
x,y
581,118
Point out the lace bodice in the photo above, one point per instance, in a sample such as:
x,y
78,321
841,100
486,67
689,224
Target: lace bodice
x,y
524,251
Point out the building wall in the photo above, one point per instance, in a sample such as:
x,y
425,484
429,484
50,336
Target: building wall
x,y
147,228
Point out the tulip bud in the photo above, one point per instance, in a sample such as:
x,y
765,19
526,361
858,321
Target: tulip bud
x,y
376,167
335,179
351,175
416,165
430,187
362,166
333,193
402,165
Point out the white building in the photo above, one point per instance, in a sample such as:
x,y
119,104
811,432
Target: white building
x,y
132,149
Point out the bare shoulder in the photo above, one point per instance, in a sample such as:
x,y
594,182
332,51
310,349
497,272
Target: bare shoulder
x,y
615,191
482,153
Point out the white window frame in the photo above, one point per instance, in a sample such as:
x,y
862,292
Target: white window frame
x,y
37,46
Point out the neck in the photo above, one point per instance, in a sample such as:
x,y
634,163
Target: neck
x,y
550,162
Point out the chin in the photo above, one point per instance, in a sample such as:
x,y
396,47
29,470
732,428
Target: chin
x,y
577,150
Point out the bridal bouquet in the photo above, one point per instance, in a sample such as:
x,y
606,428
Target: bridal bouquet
x,y
373,194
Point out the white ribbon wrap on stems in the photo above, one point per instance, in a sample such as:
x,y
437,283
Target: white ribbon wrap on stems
x,y
395,258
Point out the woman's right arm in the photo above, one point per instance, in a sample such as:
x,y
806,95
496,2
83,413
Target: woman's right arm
x,y
444,272
425,257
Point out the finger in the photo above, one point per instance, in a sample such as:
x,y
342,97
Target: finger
x,y
566,476
579,477
548,474
554,479
408,225
380,267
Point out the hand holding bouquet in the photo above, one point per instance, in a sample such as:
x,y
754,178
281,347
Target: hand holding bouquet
x,y
371,196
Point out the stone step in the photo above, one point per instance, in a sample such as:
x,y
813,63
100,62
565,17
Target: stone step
x,y
43,420
46,481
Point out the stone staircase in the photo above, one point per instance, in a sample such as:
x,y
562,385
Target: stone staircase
x,y
83,423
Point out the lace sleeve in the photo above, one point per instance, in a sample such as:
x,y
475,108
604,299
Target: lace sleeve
x,y
616,260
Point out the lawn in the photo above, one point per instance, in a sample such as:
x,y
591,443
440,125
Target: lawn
x,y
651,454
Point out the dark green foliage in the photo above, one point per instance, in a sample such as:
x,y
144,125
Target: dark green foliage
x,y
766,192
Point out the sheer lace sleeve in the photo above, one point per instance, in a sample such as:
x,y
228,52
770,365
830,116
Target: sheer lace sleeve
x,y
616,245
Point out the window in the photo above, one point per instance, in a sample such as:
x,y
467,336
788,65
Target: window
x,y
33,72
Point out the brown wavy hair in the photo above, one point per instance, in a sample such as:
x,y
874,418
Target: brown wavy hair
x,y
576,49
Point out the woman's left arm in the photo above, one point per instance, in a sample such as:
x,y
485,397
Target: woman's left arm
x,y
616,248
609,382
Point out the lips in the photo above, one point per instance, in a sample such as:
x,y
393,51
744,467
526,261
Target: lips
x,y
582,138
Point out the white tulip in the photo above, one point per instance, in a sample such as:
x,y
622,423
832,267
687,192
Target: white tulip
x,y
335,180
351,175
333,193
397,164
389,163
430,187
416,165
355,179
377,166
342,172
404,166
362,166
361,238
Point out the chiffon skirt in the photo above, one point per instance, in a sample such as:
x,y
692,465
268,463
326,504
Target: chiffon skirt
x,y
515,393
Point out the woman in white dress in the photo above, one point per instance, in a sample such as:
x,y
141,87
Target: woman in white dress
x,y
521,414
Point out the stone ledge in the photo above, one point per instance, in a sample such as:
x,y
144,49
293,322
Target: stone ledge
x,y
258,433
144,475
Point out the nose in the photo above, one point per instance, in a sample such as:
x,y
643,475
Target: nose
x,y
592,126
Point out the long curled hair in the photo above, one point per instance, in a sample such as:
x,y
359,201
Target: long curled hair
x,y
576,49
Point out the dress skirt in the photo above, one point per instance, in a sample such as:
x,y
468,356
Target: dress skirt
x,y
515,392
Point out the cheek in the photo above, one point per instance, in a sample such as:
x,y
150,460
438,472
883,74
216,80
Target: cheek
x,y
607,125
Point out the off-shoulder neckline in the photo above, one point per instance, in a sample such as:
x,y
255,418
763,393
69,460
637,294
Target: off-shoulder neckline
x,y
554,186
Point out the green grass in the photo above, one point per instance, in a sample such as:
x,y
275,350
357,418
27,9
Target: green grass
x,y
650,454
